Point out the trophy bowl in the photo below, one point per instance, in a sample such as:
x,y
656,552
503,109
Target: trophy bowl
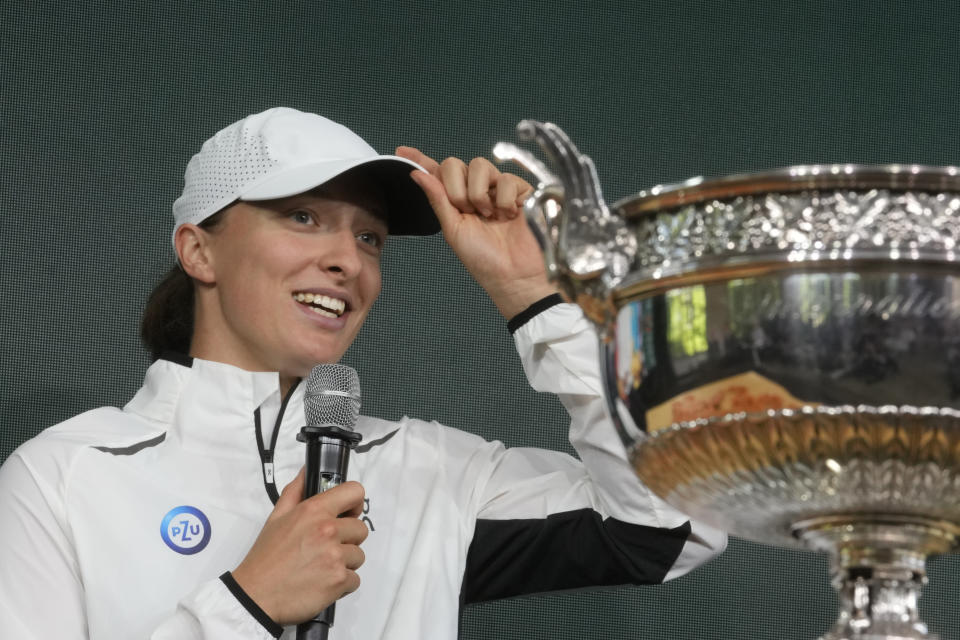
x,y
781,353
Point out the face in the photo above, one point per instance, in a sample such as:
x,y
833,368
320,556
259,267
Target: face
x,y
291,280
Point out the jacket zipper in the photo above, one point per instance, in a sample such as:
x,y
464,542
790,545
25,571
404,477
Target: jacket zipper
x,y
266,452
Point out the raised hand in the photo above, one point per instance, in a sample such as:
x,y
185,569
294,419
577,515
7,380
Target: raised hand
x,y
307,553
479,209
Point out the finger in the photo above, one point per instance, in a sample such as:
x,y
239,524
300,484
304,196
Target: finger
x,y
453,175
340,499
353,512
350,497
508,195
524,190
353,556
341,579
446,213
351,531
481,179
415,155
291,495
351,583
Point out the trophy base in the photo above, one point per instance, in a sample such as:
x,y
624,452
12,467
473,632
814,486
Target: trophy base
x,y
878,567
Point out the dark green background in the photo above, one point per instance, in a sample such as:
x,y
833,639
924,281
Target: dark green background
x,y
102,104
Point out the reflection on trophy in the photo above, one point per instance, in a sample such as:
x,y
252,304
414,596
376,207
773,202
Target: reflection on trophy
x,y
782,355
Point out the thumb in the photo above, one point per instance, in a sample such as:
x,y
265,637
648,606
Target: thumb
x,y
447,214
291,495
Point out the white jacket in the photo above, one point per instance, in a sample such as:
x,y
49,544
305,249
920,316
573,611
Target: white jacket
x,y
93,545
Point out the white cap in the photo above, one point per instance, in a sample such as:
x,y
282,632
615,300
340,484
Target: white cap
x,y
282,152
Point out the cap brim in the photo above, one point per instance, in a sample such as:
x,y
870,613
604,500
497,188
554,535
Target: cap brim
x,y
408,210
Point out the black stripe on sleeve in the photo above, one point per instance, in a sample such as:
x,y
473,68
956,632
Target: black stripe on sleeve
x,y
252,607
366,446
533,310
134,448
569,550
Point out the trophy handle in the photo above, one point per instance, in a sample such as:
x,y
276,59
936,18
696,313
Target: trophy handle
x,y
588,250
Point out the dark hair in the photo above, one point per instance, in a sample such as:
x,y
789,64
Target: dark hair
x,y
167,322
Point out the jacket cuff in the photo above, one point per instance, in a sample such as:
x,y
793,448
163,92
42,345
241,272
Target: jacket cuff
x,y
252,607
533,310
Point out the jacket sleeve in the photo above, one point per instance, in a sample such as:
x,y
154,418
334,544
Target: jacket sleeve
x,y
548,521
41,585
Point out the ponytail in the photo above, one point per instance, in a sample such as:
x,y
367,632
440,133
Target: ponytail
x,y
167,323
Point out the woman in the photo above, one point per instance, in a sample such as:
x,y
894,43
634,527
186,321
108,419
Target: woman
x,y
163,519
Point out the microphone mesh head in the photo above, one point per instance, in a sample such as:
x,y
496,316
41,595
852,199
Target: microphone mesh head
x,y
332,396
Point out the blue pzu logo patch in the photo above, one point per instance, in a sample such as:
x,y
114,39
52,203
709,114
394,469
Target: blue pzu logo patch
x,y
185,529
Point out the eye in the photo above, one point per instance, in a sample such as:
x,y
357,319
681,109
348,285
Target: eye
x,y
301,216
371,238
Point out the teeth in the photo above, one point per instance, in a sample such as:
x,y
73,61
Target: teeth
x,y
324,313
332,307
331,303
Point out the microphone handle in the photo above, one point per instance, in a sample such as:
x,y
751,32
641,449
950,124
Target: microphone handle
x,y
328,455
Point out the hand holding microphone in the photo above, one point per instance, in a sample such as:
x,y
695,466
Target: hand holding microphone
x,y
331,404
306,556
307,553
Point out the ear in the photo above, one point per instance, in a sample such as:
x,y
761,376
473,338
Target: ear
x,y
194,251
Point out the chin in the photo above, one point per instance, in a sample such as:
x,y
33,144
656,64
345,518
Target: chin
x,y
304,366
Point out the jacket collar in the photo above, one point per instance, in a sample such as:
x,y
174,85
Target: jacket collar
x,y
209,406
207,403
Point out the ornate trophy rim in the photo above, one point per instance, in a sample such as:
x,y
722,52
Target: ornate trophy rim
x,y
807,216
804,177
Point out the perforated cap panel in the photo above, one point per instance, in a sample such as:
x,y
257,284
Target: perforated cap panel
x,y
227,164
261,146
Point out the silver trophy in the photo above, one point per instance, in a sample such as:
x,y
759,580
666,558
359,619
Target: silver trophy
x,y
781,353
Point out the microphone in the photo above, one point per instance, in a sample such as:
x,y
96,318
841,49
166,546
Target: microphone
x,y
331,403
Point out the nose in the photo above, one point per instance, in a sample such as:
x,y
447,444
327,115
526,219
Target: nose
x,y
340,255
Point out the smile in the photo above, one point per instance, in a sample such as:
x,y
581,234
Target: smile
x,y
321,304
